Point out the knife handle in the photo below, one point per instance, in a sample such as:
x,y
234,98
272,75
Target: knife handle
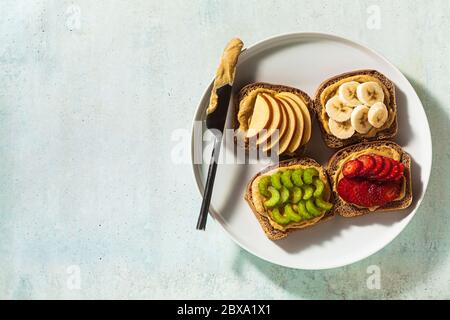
x,y
207,193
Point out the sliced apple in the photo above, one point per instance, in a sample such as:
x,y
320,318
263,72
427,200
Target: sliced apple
x,y
275,123
291,129
298,125
262,114
283,128
305,113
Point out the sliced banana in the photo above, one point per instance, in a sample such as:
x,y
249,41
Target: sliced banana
x,y
378,114
337,110
341,130
359,119
347,93
370,93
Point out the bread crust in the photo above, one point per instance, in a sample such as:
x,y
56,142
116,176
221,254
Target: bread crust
x,y
348,210
269,230
277,88
335,143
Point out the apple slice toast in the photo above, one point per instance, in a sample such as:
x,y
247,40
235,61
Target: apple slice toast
x,y
274,118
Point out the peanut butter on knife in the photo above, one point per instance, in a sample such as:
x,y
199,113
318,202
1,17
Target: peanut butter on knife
x,y
226,70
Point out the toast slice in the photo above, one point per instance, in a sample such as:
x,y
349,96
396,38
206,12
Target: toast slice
x,y
240,117
385,133
345,209
271,232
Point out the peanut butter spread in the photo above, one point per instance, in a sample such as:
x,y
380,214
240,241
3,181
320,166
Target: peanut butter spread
x,y
332,90
226,70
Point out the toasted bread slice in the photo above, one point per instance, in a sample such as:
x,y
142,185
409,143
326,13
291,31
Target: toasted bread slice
x,y
385,133
271,232
346,209
246,90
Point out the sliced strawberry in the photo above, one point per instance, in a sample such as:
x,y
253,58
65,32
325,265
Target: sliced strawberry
x,y
375,195
352,168
344,188
368,193
348,189
355,191
394,162
390,191
361,196
379,164
401,170
368,163
386,169
394,172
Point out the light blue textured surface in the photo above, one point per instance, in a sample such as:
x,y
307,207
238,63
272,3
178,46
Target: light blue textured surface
x,y
90,92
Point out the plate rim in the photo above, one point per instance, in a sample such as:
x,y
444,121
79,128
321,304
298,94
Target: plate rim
x,y
322,35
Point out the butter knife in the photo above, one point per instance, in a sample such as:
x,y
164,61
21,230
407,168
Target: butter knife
x,y
216,117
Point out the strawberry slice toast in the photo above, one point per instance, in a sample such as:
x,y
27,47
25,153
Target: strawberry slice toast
x,y
370,176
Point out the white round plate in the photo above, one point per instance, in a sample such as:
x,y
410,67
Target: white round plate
x,y
304,60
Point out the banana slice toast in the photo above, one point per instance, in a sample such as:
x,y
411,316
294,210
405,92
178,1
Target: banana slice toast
x,y
357,106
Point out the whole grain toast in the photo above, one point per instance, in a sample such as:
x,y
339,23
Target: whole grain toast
x,y
345,209
270,231
333,142
277,88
